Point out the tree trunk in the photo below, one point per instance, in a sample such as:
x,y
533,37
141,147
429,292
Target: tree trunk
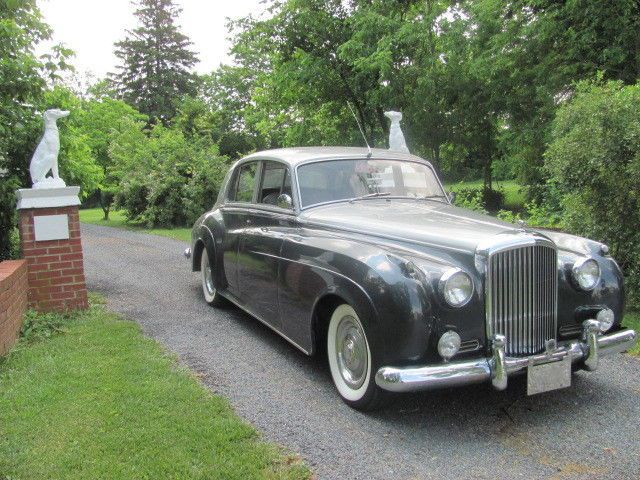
x,y
487,175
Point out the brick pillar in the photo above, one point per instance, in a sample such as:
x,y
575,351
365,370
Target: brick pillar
x,y
51,245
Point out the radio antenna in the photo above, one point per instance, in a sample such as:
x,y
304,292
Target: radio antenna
x,y
364,137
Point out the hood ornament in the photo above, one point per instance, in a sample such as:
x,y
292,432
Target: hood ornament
x,y
523,227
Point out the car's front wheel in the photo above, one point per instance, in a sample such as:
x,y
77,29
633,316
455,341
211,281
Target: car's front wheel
x,y
350,360
211,295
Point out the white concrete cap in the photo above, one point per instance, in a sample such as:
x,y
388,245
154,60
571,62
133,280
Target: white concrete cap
x,y
47,197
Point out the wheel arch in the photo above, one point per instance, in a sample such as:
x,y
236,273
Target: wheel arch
x,y
328,301
198,248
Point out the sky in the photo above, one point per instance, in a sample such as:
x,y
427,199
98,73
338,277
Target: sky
x,y
90,28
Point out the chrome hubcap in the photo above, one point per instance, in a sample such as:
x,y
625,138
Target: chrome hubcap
x,y
351,352
208,278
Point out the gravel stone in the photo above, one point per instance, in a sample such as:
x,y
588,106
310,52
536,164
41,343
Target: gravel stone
x,y
589,430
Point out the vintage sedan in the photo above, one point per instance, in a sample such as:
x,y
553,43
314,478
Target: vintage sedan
x,y
360,254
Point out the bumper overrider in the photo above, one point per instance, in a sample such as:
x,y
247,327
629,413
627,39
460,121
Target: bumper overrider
x,y
497,368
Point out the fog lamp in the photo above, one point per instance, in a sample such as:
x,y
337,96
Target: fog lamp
x,y
605,318
586,273
449,344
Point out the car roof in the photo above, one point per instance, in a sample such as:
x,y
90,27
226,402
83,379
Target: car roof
x,y
296,155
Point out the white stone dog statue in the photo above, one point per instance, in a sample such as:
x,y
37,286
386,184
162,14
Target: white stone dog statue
x,y
396,137
45,158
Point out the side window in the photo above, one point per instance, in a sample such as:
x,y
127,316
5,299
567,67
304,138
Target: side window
x,y
246,183
274,179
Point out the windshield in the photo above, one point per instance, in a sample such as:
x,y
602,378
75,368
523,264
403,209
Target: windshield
x,y
345,179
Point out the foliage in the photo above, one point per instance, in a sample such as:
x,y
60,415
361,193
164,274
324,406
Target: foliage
x,y
7,217
103,401
103,119
39,326
632,320
594,161
480,199
155,61
171,179
471,199
21,85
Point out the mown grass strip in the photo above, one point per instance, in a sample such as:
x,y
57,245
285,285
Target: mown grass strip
x,y
100,400
118,220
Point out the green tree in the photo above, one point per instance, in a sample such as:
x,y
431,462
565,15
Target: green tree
x,y
156,60
101,122
594,162
21,88
170,179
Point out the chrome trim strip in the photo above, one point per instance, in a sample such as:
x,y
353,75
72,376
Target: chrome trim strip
x,y
498,367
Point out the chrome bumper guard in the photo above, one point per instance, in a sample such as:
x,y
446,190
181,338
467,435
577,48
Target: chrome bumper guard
x,y
499,367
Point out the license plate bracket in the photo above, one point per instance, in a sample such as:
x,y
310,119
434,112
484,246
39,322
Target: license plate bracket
x,y
549,376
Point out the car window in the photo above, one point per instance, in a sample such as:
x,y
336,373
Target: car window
x,y
345,179
246,183
275,181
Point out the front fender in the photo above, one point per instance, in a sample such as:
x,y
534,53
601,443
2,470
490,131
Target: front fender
x,y
386,290
208,234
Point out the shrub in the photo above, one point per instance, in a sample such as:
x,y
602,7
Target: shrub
x,y
169,180
479,199
594,160
471,199
9,244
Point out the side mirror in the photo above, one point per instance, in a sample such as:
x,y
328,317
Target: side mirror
x,y
284,201
452,197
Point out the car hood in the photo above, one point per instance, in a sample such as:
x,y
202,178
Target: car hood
x,y
421,221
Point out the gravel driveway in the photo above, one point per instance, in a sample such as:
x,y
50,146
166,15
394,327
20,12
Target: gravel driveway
x,y
587,431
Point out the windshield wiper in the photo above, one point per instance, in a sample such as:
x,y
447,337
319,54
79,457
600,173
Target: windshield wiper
x,y
371,195
431,197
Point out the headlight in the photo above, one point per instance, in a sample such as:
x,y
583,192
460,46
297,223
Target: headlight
x,y
456,287
586,273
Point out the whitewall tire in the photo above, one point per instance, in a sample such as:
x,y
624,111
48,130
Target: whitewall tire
x,y
350,360
211,295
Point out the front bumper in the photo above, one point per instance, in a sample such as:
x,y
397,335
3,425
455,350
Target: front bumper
x,y
499,367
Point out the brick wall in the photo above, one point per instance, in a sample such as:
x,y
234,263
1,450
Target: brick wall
x,y
55,267
13,301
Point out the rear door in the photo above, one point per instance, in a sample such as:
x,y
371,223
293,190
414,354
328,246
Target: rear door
x,y
236,214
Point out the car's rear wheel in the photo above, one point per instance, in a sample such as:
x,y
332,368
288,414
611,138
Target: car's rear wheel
x,y
351,361
211,295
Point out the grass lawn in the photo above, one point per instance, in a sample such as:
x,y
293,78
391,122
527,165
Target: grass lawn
x,y
118,220
632,320
100,400
513,195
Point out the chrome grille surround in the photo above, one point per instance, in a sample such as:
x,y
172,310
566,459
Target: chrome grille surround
x,y
521,290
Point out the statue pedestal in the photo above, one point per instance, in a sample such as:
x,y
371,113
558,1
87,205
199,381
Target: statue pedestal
x,y
51,245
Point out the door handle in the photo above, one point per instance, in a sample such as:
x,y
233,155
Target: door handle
x,y
264,229
248,221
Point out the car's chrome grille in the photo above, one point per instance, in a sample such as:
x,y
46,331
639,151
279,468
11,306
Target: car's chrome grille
x,y
522,297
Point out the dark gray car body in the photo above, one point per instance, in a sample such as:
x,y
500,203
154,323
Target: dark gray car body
x,y
383,256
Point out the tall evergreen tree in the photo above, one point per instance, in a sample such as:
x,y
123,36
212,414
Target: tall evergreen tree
x,y
156,59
